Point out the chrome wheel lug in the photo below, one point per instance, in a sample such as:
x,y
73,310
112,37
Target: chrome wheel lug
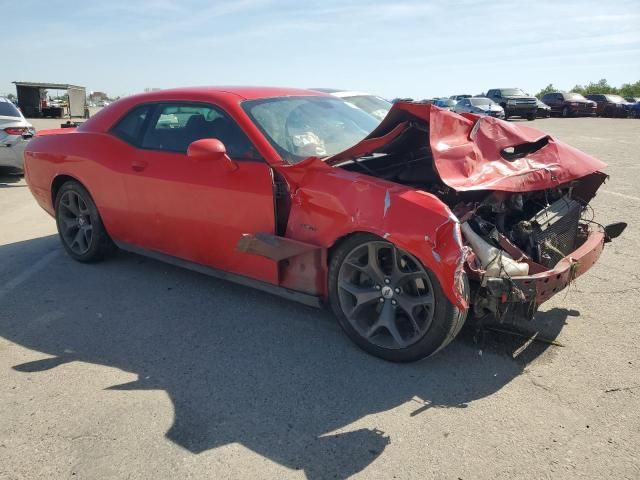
x,y
381,299
386,280
378,287
393,302
397,290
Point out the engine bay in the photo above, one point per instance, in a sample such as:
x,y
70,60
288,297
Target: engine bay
x,y
510,234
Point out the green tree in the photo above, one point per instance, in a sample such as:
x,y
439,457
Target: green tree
x,y
578,89
548,89
630,89
601,86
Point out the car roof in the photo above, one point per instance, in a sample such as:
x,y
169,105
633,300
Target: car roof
x,y
327,90
224,96
344,93
243,92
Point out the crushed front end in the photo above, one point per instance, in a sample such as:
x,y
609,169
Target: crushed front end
x,y
526,247
521,198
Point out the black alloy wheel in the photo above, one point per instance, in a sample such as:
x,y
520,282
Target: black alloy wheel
x,y
79,224
388,302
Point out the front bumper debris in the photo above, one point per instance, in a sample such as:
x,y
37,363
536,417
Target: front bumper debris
x,y
525,293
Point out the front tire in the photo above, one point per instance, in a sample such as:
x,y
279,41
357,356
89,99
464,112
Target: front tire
x,y
79,225
388,303
565,112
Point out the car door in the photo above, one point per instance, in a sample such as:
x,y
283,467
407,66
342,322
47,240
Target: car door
x,y
549,99
197,210
560,102
600,103
555,100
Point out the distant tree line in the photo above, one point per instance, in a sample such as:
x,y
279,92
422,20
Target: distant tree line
x,y
601,86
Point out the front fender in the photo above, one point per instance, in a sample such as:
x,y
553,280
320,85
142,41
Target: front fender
x,y
330,203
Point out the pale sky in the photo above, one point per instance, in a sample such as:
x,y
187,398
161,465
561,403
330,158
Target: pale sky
x,y
407,48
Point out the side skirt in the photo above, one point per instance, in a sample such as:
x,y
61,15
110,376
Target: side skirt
x,y
300,297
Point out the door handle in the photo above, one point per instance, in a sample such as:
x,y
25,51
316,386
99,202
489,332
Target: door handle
x,y
138,165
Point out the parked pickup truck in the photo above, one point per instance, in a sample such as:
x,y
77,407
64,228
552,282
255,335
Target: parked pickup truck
x,y
515,102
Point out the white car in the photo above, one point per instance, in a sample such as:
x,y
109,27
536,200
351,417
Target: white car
x,y
479,106
374,105
15,133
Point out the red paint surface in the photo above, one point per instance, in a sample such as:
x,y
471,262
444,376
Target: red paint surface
x,y
197,209
467,151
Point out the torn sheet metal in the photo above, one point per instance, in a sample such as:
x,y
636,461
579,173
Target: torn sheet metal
x,y
272,246
332,203
301,266
482,153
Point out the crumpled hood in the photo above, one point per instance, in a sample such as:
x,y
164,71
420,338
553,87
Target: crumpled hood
x,y
472,152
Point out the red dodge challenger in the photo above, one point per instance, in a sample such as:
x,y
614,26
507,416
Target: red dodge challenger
x,y
402,226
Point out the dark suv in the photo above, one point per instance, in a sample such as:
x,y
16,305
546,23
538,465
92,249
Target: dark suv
x,y
515,102
610,105
569,104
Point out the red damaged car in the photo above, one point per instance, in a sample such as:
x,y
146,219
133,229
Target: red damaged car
x,y
402,227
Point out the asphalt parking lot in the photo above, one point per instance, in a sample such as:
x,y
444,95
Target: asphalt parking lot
x,y
136,369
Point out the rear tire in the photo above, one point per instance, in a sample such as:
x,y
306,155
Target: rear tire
x,y
399,314
79,225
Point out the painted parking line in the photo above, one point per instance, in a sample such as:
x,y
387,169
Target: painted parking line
x,y
622,195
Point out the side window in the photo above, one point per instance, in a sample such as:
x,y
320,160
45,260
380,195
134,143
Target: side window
x,y
546,98
130,126
491,93
175,126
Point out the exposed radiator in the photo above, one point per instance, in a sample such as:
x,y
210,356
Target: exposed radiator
x,y
555,230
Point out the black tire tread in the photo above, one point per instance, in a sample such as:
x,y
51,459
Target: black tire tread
x,y
447,322
102,246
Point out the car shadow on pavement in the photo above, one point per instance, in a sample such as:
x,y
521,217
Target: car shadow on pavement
x,y
240,365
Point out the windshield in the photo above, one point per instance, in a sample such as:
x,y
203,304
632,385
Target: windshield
x,y
445,102
615,98
574,96
8,109
481,101
512,92
301,127
376,106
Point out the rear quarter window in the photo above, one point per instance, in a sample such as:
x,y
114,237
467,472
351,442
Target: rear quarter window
x,y
129,128
8,109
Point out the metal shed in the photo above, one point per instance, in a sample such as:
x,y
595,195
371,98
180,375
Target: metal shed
x,y
33,102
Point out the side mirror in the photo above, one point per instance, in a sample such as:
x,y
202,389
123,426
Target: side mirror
x,y
211,149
